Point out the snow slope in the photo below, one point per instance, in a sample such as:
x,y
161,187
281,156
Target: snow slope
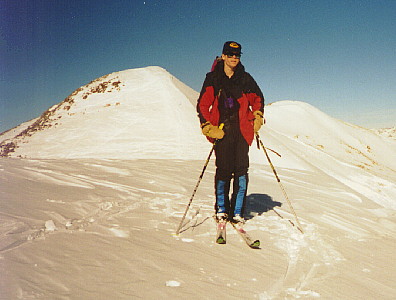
x,y
358,158
104,229
91,210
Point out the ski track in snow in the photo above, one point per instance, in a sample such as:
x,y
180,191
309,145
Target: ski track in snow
x,y
297,247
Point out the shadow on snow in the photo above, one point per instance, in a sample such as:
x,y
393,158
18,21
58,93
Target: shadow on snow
x,y
259,204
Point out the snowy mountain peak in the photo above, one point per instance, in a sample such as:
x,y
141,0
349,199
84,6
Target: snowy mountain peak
x,y
120,115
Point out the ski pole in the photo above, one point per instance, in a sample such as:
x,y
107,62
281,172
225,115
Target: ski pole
x,y
199,181
280,184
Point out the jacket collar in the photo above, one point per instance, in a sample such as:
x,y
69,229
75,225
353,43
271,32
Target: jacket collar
x,y
239,70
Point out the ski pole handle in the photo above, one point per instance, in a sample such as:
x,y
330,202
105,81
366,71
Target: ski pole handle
x,y
221,126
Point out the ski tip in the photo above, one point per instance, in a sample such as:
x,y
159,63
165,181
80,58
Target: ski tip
x,y
221,241
255,244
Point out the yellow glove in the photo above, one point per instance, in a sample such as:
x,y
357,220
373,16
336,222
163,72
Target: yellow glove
x,y
258,120
212,131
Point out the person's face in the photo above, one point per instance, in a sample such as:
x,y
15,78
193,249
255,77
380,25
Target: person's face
x,y
231,60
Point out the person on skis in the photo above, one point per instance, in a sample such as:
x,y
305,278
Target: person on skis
x,y
230,96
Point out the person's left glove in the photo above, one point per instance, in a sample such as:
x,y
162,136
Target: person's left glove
x,y
258,120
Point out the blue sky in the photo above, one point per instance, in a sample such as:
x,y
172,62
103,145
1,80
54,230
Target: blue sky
x,y
339,56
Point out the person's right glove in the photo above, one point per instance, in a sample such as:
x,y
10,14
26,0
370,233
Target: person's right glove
x,y
212,131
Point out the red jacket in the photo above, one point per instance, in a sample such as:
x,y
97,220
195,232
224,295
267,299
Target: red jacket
x,y
249,97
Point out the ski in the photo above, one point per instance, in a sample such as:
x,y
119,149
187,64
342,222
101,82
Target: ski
x,y
254,244
221,232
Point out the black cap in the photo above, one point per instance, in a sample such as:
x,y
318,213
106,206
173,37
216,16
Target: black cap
x,y
231,47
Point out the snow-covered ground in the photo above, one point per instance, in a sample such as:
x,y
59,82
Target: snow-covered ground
x,y
91,210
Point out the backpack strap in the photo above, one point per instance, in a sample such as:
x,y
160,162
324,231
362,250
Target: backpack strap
x,y
217,59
